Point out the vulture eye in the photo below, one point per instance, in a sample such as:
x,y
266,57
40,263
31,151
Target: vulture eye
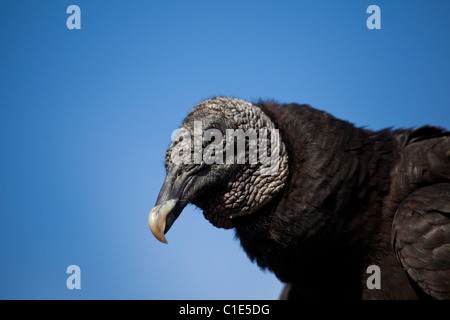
x,y
214,136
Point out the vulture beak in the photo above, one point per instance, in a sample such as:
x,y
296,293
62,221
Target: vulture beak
x,y
169,204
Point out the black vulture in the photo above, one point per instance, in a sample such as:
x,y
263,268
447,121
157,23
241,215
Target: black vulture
x,y
317,200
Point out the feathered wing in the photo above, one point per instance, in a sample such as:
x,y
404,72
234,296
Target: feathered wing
x,y
421,225
421,238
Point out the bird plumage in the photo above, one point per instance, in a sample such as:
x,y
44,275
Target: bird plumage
x,y
347,198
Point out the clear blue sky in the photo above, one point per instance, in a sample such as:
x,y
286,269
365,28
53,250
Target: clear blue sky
x,y
86,116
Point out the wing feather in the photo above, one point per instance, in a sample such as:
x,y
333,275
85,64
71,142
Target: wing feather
x,y
421,238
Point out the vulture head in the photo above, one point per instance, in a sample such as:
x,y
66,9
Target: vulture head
x,y
227,158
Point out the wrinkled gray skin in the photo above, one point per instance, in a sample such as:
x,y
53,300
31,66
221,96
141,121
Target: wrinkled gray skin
x,y
223,191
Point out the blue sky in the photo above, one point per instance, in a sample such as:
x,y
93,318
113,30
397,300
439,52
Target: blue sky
x,y
86,116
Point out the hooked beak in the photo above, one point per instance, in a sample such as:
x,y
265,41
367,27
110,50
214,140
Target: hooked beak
x,y
170,202
157,219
